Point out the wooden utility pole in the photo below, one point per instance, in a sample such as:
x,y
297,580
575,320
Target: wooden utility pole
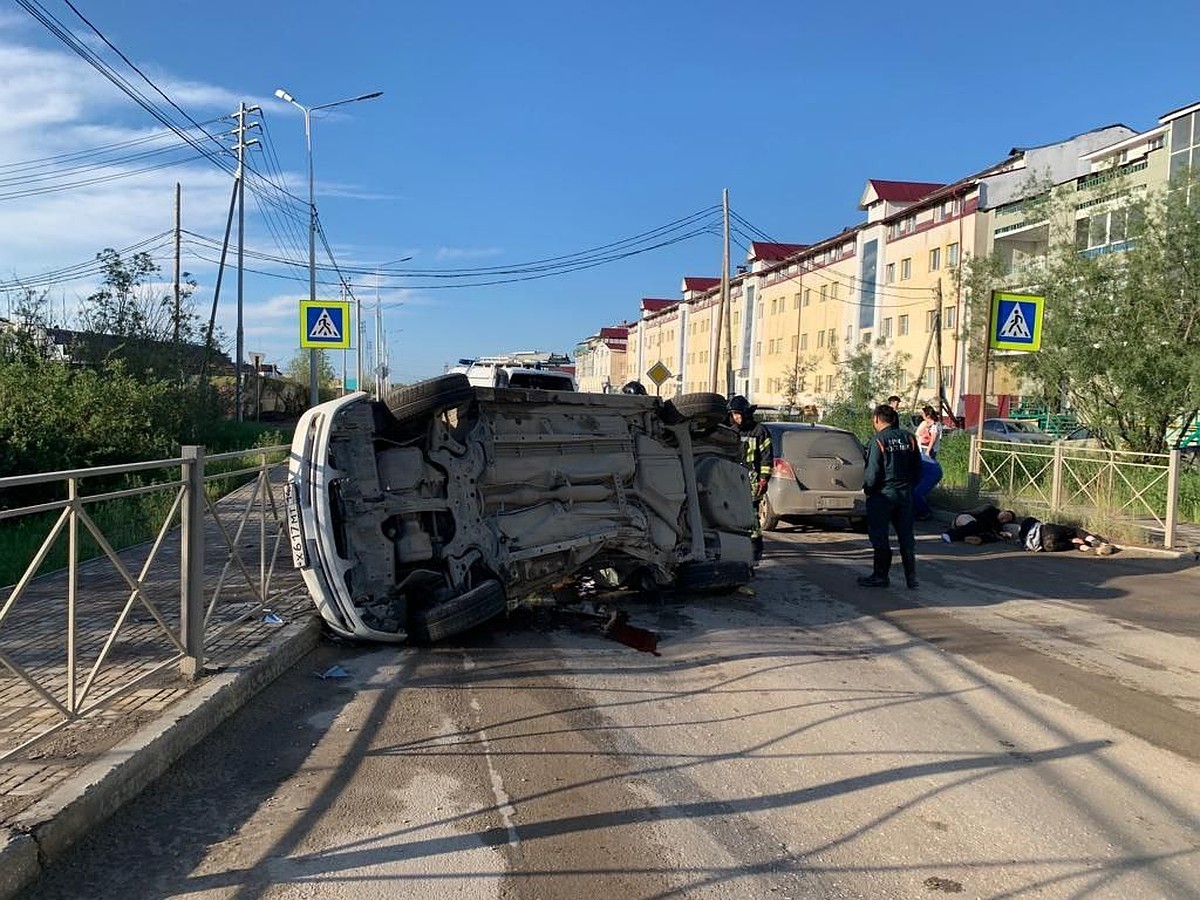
x,y
943,404
715,368
726,304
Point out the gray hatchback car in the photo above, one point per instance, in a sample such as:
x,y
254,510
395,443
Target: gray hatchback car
x,y
818,472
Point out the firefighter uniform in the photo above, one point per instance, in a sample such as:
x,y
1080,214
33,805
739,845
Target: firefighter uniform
x,y
893,468
758,459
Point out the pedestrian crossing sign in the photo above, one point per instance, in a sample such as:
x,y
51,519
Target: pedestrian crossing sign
x,y
325,324
1016,322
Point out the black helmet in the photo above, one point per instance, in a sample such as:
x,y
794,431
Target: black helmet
x,y
739,404
633,387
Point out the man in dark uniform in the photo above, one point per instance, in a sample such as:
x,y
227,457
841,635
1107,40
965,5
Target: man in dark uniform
x,y
757,458
893,468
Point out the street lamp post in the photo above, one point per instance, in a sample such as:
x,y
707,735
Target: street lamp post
x,y
313,392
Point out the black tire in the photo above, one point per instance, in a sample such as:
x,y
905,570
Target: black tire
x,y
768,519
706,411
427,397
462,613
719,575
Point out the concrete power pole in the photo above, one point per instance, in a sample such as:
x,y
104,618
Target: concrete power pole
x,y
242,111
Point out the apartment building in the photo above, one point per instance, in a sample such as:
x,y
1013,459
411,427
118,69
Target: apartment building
x,y
889,282
657,337
601,360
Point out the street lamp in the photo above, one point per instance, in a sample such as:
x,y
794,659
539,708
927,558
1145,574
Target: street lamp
x,y
313,393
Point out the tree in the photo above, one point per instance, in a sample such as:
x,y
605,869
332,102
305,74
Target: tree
x,y
297,369
865,377
131,317
795,379
1121,333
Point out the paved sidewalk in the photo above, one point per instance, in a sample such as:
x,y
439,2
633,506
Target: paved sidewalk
x,y
140,729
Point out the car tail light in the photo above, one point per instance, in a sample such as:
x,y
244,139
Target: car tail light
x,y
783,469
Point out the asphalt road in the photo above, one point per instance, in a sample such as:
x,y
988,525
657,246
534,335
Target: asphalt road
x,y
1022,726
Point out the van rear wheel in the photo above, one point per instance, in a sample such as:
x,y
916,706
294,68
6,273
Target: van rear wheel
x,y
427,397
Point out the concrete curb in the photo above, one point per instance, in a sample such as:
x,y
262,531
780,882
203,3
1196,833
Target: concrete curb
x,y
46,830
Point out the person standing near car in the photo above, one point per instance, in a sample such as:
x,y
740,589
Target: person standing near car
x,y
893,468
929,432
758,458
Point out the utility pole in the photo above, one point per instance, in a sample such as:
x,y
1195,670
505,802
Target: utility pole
x,y
242,111
723,306
726,303
342,297
943,403
378,348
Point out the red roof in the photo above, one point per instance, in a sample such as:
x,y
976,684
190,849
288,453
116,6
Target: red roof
x,y
696,283
650,304
769,251
614,332
902,191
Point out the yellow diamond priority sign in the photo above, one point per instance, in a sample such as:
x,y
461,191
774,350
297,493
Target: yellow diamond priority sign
x,y
658,373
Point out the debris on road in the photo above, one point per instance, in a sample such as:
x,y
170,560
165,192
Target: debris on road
x,y
334,671
617,628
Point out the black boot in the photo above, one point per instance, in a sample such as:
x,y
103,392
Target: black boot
x,y
757,543
881,562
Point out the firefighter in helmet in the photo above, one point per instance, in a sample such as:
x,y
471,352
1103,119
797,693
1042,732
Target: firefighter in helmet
x,y
634,387
757,458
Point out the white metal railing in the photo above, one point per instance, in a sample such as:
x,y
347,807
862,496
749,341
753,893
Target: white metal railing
x,y
1115,484
202,562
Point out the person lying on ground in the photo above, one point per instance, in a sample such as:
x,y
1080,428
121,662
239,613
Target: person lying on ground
x,y
1035,535
979,526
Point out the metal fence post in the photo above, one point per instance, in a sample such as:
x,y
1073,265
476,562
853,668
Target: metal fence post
x,y
1056,479
191,564
1173,472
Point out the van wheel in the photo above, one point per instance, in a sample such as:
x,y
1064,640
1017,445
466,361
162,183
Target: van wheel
x,y
427,397
704,410
768,519
443,620
713,575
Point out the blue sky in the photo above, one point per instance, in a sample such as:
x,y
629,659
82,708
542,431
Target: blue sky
x,y
519,131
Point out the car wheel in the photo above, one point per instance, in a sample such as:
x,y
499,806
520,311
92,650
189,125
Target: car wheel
x,y
426,397
706,411
768,519
713,575
443,620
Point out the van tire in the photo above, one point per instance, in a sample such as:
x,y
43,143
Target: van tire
x,y
704,410
424,398
462,613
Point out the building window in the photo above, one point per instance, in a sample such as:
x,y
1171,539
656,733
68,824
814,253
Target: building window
x,y
849,334
819,383
832,336
807,296
824,292
820,339
890,273
758,348
804,341
949,317
833,290
902,325
935,259
902,380
866,338
947,374
952,254
906,268
931,319
885,328
796,302
795,342
737,316
930,380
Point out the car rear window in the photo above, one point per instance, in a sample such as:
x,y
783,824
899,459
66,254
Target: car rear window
x,y
821,445
540,380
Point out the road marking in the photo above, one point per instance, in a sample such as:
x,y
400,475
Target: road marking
x,y
503,801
